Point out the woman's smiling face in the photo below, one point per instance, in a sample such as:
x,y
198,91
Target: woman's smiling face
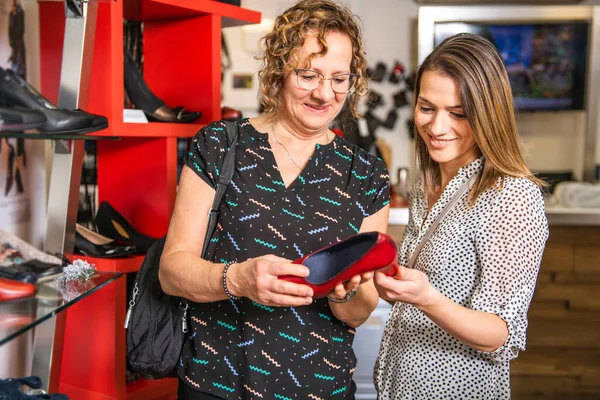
x,y
313,110
442,124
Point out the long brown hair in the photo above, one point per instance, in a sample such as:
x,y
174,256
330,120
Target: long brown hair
x,y
487,101
279,59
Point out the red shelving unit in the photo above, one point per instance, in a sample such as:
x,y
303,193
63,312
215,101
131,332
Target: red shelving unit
x,y
161,10
124,265
137,175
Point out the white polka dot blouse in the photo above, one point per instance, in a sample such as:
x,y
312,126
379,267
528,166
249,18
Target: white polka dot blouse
x,y
485,257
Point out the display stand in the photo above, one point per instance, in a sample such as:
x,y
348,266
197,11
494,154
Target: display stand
x,y
78,44
137,175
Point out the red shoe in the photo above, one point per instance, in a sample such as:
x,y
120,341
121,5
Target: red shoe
x,y
15,321
341,261
14,290
230,114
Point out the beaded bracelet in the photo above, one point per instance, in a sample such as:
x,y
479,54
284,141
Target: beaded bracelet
x,y
232,297
348,297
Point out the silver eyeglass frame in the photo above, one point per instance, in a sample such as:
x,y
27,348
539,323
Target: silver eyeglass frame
x,y
323,78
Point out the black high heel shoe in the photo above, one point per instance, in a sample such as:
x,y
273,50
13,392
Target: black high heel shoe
x,y
93,244
143,98
19,119
18,92
112,224
10,177
31,271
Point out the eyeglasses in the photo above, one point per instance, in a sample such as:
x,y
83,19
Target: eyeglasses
x,y
309,79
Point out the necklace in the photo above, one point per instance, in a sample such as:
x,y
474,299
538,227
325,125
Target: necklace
x,y
286,150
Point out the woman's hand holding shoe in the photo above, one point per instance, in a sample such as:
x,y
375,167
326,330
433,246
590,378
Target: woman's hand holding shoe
x,y
408,285
354,300
257,279
483,331
342,291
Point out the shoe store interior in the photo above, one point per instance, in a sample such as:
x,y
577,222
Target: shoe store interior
x,y
100,101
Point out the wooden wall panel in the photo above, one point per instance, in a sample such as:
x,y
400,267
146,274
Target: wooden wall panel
x,y
562,360
558,257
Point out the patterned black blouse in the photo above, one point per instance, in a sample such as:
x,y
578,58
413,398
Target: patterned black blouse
x,y
242,349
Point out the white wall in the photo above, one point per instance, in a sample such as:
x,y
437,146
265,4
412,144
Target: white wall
x,y
389,33
243,44
550,141
31,204
387,36
553,141
24,214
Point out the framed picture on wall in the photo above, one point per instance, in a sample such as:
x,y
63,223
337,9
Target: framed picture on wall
x,y
242,81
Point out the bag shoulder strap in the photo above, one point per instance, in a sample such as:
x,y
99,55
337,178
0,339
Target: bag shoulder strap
x,y
222,183
457,195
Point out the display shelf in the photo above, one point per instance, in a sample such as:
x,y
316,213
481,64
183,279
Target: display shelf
x,y
137,175
164,389
123,265
145,389
58,136
161,10
93,364
151,129
51,298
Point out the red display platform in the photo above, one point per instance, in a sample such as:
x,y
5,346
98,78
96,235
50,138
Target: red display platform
x,y
137,175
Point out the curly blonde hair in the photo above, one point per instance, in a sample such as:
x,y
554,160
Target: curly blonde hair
x,y
279,58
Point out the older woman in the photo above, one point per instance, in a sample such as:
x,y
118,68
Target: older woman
x,y
461,312
296,188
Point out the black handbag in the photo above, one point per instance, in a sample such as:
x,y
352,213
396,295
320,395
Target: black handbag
x,y
157,322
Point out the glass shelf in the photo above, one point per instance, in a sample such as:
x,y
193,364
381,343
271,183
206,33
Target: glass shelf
x,y
55,136
16,317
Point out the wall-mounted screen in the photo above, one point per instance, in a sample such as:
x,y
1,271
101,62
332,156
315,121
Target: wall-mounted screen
x,y
546,62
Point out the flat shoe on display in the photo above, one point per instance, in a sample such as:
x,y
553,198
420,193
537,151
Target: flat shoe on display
x,y
14,290
31,271
15,275
186,116
113,225
334,264
179,114
18,92
143,98
93,244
